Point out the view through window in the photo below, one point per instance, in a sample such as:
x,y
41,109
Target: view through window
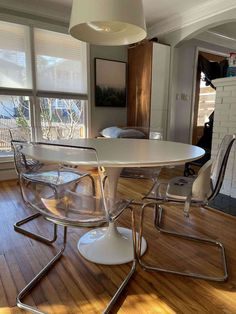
x,y
206,102
14,112
62,118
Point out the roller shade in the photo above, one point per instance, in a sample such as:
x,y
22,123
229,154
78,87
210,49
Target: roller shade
x,y
61,62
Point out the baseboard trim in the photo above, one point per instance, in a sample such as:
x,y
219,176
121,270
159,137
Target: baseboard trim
x,y
224,203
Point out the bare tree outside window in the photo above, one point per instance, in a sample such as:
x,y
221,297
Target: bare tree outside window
x,y
62,118
14,112
59,118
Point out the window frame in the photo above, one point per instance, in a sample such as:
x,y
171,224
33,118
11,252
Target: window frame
x,y
35,94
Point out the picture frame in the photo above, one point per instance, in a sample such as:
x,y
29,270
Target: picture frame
x,y
110,83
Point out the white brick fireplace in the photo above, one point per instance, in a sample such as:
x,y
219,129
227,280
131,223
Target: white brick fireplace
x,y
225,123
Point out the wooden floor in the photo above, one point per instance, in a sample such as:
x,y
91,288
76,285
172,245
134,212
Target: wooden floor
x,y
77,286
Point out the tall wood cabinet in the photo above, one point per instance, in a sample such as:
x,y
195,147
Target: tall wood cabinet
x,y
148,83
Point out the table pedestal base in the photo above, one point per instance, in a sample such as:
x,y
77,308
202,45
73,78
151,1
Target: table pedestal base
x,y
109,246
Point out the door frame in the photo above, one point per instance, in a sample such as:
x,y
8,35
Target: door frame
x,y
194,89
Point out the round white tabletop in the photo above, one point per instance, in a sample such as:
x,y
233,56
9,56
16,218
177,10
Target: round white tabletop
x,y
114,245
113,152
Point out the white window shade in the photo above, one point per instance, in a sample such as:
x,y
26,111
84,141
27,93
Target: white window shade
x,y
61,63
14,56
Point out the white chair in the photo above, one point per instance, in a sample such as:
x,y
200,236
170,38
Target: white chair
x,y
200,190
78,208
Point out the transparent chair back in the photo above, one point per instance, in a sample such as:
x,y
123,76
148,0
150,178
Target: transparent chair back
x,y
143,172
142,132
45,133
201,187
28,134
21,134
220,163
20,160
75,206
156,135
58,132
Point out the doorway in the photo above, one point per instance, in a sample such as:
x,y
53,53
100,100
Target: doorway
x,y
204,103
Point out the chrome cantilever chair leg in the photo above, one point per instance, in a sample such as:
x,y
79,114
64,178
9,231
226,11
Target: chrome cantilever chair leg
x,y
131,272
157,220
53,261
37,278
18,228
18,225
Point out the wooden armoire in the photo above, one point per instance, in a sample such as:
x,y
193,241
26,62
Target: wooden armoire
x,y
148,83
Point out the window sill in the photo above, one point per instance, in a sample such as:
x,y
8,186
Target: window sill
x,y
6,157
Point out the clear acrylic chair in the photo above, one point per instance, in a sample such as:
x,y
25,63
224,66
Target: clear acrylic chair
x,y
149,173
37,172
78,208
200,190
146,173
24,134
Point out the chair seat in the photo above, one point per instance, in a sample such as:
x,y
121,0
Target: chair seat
x,y
179,187
80,209
54,177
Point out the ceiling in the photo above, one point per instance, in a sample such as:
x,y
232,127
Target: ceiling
x,y
162,16
223,35
158,10
227,30
155,10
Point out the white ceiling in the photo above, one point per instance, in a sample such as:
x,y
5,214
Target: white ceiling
x,y
223,35
155,10
228,30
162,16
159,10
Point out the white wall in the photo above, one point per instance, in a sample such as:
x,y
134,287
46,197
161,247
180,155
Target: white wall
x,y
182,88
102,117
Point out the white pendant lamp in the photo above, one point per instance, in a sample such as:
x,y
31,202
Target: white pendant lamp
x,y
108,22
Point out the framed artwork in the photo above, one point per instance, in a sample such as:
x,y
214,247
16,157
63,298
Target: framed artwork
x,y
110,83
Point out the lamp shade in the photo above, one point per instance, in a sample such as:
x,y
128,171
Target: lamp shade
x,y
108,22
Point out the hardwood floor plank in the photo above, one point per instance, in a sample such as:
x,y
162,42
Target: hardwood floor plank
x,y
7,281
17,275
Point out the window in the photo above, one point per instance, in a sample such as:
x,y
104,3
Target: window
x,y
56,104
62,118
